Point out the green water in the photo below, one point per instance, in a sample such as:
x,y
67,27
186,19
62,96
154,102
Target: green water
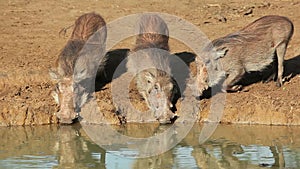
x,y
230,146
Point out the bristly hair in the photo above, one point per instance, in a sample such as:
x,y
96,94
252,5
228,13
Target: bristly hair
x,y
248,34
86,25
152,40
153,33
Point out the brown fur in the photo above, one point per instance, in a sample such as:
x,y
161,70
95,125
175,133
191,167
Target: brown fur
x,y
153,33
151,40
86,25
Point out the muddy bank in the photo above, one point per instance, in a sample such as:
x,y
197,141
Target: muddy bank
x,y
30,44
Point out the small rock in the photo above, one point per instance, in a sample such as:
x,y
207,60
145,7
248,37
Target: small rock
x,y
264,5
249,11
221,18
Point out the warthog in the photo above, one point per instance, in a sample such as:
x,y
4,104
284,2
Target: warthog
x,y
87,42
149,61
253,48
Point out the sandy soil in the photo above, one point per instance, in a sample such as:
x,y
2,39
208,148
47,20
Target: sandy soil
x,y
30,43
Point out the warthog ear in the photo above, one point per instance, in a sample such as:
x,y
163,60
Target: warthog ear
x,y
171,87
80,73
221,52
54,75
84,99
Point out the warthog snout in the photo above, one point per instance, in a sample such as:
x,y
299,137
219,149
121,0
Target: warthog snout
x,y
64,96
159,101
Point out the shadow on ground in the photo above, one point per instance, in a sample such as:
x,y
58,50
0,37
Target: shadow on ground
x,y
291,69
116,66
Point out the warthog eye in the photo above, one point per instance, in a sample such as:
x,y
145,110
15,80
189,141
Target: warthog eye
x,y
59,88
56,88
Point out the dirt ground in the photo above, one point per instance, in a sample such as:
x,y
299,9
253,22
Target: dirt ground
x,y
30,43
